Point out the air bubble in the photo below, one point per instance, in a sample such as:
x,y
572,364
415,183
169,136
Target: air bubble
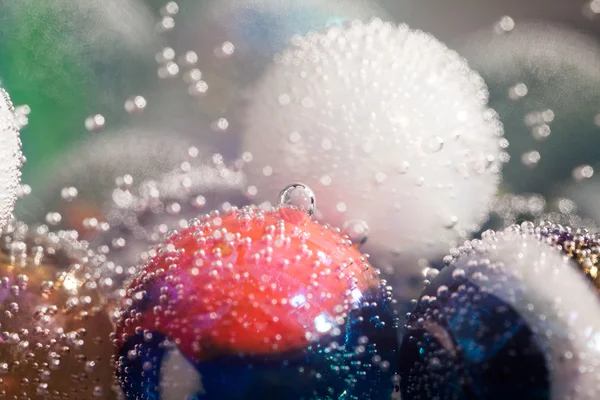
x,y
166,24
505,25
190,58
518,91
433,145
168,71
451,222
95,123
357,230
68,193
220,125
226,50
531,158
583,172
53,218
300,196
135,104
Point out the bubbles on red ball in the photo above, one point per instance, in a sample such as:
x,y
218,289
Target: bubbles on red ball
x,y
257,303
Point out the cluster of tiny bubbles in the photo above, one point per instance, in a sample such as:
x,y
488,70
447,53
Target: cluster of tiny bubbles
x,y
388,127
254,301
139,217
541,113
11,158
54,329
514,314
93,168
510,209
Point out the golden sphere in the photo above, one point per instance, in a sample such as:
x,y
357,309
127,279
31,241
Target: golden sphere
x,y
54,328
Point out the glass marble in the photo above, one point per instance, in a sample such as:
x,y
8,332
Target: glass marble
x,y
512,316
55,332
257,304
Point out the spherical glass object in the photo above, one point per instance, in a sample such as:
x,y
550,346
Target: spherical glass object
x,y
55,333
257,304
511,316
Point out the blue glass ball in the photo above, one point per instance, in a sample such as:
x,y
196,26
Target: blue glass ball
x,y
510,317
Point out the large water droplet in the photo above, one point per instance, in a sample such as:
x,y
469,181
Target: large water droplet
x,y
300,196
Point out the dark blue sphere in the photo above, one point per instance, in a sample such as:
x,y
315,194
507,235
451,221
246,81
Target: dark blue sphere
x,y
351,365
462,342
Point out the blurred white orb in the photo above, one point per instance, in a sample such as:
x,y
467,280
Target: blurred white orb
x,y
11,158
544,82
386,125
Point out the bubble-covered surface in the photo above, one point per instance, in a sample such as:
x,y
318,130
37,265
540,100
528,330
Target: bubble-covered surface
x,y
386,125
509,317
11,158
55,332
255,303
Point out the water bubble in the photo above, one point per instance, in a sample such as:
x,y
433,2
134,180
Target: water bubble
x,y
169,9
300,196
53,218
541,132
190,58
403,167
505,25
95,123
167,54
518,91
220,125
531,158
583,172
168,71
433,145
198,89
357,230
23,191
68,193
226,50
451,222
135,104
166,24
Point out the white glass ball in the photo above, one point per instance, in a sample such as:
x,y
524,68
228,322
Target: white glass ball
x,y
386,125
11,158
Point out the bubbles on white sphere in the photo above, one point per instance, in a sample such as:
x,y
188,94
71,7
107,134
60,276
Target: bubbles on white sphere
x,y
387,121
11,158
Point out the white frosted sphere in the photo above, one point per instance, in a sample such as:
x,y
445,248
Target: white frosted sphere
x,y
11,158
386,125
